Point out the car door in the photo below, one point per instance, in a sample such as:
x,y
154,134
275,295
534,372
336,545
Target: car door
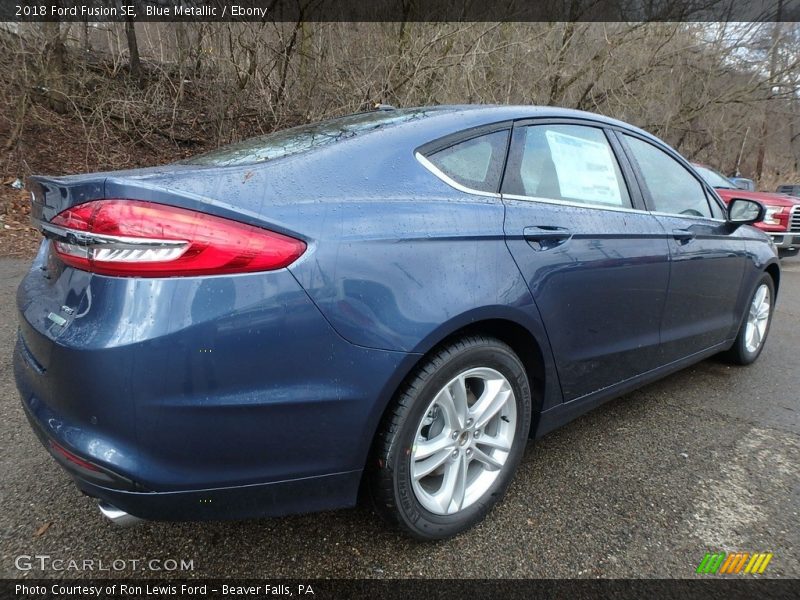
x,y
707,255
595,261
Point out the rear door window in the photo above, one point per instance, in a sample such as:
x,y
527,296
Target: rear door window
x,y
573,163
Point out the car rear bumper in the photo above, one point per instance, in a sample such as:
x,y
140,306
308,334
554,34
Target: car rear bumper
x,y
225,397
274,499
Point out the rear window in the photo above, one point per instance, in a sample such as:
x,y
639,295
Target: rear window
x,y
303,138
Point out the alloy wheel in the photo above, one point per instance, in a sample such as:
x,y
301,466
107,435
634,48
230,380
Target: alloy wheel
x,y
757,319
463,441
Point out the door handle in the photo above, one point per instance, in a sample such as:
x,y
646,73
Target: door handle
x,y
684,236
544,237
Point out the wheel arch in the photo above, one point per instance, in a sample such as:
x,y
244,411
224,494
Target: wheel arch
x,y
522,342
515,329
774,271
532,350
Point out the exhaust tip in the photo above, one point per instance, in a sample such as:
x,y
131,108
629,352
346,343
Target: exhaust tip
x,y
117,516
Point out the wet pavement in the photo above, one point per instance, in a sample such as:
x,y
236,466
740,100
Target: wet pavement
x,y
707,459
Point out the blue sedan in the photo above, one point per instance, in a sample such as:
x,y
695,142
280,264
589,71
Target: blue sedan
x,y
394,300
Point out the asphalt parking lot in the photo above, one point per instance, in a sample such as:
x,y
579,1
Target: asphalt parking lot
x,y
705,460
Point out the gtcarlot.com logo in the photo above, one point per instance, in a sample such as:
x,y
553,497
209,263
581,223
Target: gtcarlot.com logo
x,y
733,563
45,562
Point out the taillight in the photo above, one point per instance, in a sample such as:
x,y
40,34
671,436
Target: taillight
x,y
75,460
144,239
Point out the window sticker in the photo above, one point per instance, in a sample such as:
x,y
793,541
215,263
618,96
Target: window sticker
x,y
585,169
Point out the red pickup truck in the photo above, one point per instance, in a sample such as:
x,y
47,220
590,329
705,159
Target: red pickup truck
x,y
782,219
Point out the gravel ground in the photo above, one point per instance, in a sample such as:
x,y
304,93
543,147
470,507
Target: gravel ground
x,y
707,459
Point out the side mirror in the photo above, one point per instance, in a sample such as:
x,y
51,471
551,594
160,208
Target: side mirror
x,y
745,212
744,184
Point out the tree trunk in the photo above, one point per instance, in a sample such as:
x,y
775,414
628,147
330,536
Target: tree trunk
x,y
133,51
87,44
53,47
53,65
773,67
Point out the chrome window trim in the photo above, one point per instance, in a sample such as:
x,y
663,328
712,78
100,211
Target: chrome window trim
x,y
573,203
462,188
449,181
607,207
693,217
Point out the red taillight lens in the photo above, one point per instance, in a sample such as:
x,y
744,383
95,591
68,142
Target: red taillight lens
x,y
143,239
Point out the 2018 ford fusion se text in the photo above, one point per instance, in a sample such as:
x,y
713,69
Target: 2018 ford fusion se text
x,y
393,301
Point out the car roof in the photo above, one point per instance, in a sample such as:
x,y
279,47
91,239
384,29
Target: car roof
x,y
411,127
456,117
501,112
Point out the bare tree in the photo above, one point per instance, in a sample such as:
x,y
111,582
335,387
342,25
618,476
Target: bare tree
x,y
133,50
701,86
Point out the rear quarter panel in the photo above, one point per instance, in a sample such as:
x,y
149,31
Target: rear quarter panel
x,y
395,255
396,260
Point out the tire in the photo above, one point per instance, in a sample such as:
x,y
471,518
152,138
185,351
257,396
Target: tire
x,y
788,253
744,351
425,432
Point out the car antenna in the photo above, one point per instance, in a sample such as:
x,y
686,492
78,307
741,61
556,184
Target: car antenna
x,y
381,106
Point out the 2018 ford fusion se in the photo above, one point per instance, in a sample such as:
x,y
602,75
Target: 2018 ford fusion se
x,y
396,299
